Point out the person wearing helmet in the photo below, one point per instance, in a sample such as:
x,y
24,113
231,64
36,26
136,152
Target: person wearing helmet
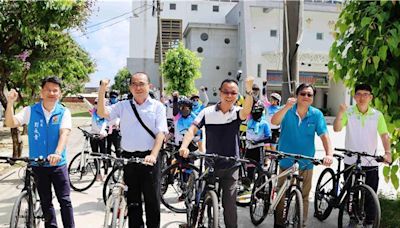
x,y
183,121
113,97
197,107
274,107
258,131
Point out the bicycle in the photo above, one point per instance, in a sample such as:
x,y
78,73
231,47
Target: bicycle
x,y
27,211
85,165
203,193
265,197
117,206
349,198
174,180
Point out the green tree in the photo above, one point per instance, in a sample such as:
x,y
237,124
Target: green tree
x,y
121,81
34,43
180,68
366,50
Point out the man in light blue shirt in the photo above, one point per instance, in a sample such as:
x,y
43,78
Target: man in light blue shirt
x,y
136,141
299,123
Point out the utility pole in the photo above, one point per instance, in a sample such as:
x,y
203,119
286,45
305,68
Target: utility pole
x,y
292,27
160,45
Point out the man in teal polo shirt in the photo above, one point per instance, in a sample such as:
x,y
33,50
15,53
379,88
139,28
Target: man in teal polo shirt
x,y
299,122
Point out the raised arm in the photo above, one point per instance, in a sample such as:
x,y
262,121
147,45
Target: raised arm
x,y
278,116
10,120
248,100
203,96
338,123
101,104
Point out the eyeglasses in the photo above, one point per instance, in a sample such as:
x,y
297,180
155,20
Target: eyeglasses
x,y
306,94
362,94
138,84
233,93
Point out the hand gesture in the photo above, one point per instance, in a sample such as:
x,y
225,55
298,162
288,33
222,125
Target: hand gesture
x,y
249,83
184,152
104,83
342,108
202,88
12,96
290,102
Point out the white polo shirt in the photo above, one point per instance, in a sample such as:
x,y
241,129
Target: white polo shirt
x,y
133,136
362,133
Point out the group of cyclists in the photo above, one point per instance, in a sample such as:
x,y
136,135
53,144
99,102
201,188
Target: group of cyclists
x,y
138,127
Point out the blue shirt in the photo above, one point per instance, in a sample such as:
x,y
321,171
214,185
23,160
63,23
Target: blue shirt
x,y
297,136
257,130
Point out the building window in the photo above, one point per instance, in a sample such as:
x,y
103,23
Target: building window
x,y
227,40
199,49
273,33
320,36
259,70
215,8
229,73
172,6
194,7
204,36
217,67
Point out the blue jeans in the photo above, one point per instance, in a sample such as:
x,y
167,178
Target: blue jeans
x,y
58,177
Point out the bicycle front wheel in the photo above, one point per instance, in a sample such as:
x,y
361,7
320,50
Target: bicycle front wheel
x,y
294,210
83,176
115,176
324,193
174,186
260,200
360,208
210,211
21,215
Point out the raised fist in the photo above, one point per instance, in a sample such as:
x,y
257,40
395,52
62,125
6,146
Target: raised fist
x,y
12,96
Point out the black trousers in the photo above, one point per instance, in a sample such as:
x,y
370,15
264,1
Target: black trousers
x,y
372,180
142,179
114,139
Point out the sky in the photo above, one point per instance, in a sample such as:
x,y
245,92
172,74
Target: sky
x,y
109,45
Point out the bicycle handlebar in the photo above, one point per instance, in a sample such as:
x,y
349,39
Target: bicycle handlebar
x,y
281,155
88,134
124,161
40,160
361,154
216,156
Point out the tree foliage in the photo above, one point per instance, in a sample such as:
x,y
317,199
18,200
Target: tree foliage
x,y
121,81
366,50
180,68
34,43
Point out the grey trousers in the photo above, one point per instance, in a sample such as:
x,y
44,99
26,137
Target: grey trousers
x,y
228,182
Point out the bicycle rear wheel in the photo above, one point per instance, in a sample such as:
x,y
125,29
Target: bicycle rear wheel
x,y
360,208
260,200
210,211
21,216
82,178
115,176
324,192
294,210
174,186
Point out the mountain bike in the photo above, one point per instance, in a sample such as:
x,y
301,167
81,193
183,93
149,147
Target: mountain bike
x,y
117,206
265,196
27,211
350,197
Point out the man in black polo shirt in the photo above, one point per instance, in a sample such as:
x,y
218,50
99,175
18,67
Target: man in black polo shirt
x,y
221,122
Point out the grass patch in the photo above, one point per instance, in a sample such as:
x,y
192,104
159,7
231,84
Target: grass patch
x,y
81,114
390,209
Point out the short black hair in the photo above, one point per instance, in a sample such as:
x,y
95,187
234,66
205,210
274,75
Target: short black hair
x,y
365,87
52,79
143,73
303,86
228,80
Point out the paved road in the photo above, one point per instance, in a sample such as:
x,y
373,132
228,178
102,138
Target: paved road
x,y
89,207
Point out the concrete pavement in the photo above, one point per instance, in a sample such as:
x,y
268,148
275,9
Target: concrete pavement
x,y
89,207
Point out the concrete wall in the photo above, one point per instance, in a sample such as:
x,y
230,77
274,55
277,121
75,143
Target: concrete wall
x,y
144,65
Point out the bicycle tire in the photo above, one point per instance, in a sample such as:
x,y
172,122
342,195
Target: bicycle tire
x,y
15,221
260,199
112,178
172,186
76,181
115,213
297,220
361,194
210,207
324,195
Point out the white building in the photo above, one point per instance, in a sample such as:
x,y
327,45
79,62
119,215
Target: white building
x,y
232,36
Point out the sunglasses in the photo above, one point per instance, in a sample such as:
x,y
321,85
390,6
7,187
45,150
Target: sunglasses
x,y
306,94
229,93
